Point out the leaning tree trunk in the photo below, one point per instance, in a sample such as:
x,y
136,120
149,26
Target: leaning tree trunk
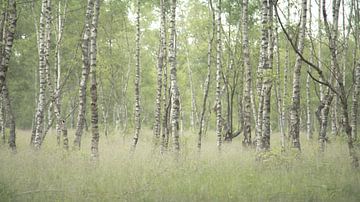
x,y
39,123
175,94
248,77
294,130
84,75
207,80
137,79
93,84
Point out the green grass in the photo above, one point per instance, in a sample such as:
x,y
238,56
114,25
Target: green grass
x,y
233,175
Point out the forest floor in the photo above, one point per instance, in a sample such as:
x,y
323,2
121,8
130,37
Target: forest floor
x,y
232,175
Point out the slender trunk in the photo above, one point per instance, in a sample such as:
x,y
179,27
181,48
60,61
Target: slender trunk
x,y
84,75
294,130
286,73
194,113
248,77
47,71
2,119
207,80
175,94
57,94
93,83
263,71
137,79
308,95
278,92
218,76
322,115
39,125
160,66
356,93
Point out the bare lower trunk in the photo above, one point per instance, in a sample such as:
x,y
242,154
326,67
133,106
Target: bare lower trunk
x,y
248,77
175,95
2,119
294,130
160,67
322,114
93,83
264,81
207,81
218,76
84,75
137,79
39,124
308,95
10,117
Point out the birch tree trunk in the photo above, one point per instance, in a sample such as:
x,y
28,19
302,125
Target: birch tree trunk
x,y
8,26
207,80
248,77
320,48
11,118
137,78
286,72
308,95
2,120
2,111
175,94
356,93
160,65
194,113
263,71
166,99
57,94
294,130
84,74
278,92
218,76
39,124
93,83
7,32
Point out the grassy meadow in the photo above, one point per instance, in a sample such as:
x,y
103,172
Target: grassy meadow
x,y
232,175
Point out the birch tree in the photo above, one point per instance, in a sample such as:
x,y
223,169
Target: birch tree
x,y
137,78
207,80
39,124
85,45
356,93
160,65
93,83
218,76
264,82
294,126
175,94
7,28
248,77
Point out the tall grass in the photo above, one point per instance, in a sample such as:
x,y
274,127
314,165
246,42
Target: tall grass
x,y
232,175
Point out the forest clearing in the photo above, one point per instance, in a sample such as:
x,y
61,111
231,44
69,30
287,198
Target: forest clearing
x,y
179,100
